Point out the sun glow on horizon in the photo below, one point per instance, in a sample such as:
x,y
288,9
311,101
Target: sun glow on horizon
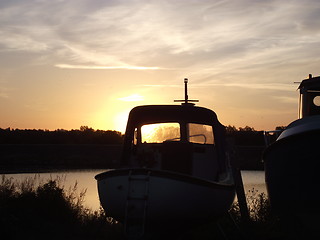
x,y
132,98
120,121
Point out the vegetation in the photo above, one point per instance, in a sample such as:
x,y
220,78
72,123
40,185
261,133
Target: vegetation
x,y
243,136
45,210
263,224
84,135
246,136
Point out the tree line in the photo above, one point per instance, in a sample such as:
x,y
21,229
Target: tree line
x,y
246,136
84,135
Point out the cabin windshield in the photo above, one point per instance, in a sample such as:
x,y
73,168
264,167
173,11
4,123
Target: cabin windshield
x,y
160,132
173,131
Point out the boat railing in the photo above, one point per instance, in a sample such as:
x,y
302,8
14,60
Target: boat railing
x,y
271,136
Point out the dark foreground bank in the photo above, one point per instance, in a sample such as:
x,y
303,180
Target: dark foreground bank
x,y
48,211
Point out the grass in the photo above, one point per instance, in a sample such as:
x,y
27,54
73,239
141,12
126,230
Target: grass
x,y
46,210
233,226
263,223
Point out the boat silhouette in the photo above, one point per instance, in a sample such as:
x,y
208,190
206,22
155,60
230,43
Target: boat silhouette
x,y
175,176
292,162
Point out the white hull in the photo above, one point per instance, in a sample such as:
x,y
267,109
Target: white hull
x,y
161,197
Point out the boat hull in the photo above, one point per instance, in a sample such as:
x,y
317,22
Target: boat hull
x,y
292,173
165,199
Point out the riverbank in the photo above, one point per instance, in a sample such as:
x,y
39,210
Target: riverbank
x,y
46,157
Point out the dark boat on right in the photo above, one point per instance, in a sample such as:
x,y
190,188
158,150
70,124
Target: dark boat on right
x,y
292,162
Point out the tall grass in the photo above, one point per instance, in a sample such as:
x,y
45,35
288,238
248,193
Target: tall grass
x,y
40,209
233,226
45,210
263,223
258,207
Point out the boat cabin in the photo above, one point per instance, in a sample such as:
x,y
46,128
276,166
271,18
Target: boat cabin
x,y
309,97
180,138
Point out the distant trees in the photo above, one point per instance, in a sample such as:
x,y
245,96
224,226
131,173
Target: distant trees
x,y
281,128
84,135
246,136
232,129
243,136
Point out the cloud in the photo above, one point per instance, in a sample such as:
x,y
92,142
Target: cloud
x,y
4,91
205,38
285,99
262,86
11,41
258,86
105,67
3,94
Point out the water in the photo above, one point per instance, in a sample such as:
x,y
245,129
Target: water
x,y
85,181
254,180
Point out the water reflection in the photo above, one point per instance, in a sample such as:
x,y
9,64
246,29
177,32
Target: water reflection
x,y
85,181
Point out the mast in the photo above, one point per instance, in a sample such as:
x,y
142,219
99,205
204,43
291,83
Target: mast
x,y
186,100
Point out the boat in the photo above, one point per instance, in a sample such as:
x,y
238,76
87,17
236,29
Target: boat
x,y
292,162
175,172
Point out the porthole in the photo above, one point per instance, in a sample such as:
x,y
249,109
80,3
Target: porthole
x,y
316,101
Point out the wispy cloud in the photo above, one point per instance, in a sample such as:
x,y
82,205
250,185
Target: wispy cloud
x,y
3,94
4,91
286,99
202,34
19,42
240,85
105,67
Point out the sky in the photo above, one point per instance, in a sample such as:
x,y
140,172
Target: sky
x,y
71,63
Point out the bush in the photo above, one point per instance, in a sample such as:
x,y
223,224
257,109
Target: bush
x,y
47,211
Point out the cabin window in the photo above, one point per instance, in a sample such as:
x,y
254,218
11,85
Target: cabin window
x,y
200,133
135,136
160,132
316,101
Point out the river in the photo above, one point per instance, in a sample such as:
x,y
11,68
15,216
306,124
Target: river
x,y
85,181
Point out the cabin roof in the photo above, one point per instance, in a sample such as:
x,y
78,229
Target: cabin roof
x,y
171,113
312,83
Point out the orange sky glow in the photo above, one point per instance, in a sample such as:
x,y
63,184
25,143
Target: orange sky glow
x,y
66,64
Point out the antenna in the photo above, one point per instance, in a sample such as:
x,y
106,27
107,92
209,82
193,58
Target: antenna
x,y
186,100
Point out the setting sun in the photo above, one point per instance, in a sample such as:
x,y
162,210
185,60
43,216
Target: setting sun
x,y
120,121
132,98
